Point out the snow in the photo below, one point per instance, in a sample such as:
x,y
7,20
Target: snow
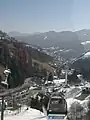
x,y
72,92
87,54
60,50
30,114
55,77
70,101
45,37
48,82
28,46
78,95
7,71
4,82
32,88
87,85
68,50
85,43
58,81
79,75
63,71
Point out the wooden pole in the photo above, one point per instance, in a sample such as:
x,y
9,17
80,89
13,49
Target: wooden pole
x,y
2,109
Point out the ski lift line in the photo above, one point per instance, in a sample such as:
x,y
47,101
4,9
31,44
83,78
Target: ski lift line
x,y
11,91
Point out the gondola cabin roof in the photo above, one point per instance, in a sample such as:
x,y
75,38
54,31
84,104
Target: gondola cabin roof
x,y
56,97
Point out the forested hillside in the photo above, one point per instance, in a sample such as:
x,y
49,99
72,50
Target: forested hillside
x,y
17,56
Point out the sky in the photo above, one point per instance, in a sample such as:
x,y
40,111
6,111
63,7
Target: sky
x,y
30,16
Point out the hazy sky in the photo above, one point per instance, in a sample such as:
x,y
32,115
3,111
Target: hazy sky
x,y
30,16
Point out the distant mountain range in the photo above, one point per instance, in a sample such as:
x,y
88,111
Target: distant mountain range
x,y
82,35
78,41
15,33
46,39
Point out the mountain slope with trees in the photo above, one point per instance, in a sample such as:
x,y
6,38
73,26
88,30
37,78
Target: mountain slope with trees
x,y
17,57
82,65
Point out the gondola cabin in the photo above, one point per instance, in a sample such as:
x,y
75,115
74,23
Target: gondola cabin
x,y
57,108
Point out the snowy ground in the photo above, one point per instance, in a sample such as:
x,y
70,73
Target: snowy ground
x,y
58,81
30,114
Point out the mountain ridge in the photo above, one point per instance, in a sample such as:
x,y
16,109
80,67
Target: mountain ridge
x,y
63,39
35,38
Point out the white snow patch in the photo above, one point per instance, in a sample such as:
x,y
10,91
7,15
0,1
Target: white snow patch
x,y
45,37
59,81
55,77
70,101
87,55
32,88
78,95
48,82
85,43
68,50
60,50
